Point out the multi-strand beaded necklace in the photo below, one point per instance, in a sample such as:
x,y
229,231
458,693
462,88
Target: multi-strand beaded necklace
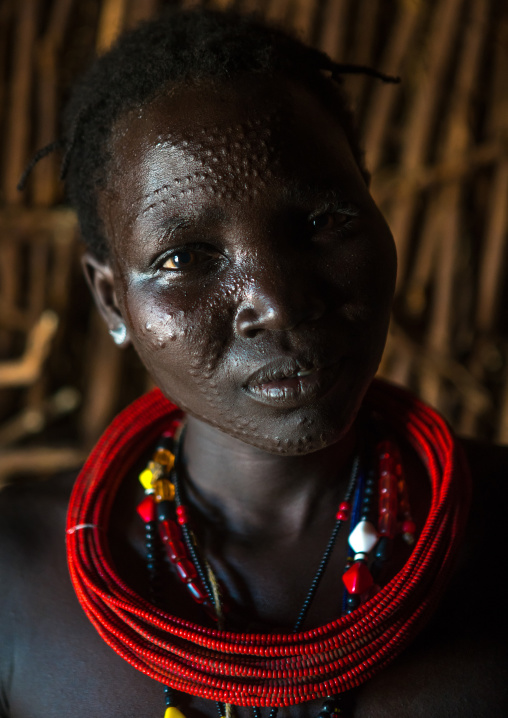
x,y
250,669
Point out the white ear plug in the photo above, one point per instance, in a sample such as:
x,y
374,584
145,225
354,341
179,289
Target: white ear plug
x,y
119,334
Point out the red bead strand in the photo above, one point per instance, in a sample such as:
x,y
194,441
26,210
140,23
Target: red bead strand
x,y
264,669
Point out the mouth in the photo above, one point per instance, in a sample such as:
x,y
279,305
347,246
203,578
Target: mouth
x,y
291,382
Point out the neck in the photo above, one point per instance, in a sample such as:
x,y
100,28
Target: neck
x,y
249,491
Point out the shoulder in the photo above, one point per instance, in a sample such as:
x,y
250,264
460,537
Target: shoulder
x,y
488,465
32,549
484,456
29,511
32,524
479,588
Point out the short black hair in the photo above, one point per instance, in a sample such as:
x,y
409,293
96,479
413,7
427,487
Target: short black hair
x,y
177,47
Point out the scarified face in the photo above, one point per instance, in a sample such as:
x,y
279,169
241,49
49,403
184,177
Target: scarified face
x,y
248,261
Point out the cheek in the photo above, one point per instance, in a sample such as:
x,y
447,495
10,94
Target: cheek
x,y
365,271
179,337
188,353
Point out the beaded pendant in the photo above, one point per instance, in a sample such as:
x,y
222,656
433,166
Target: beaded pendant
x,y
155,510
376,527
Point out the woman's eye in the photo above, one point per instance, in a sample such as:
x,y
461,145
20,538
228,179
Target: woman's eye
x,y
328,220
180,260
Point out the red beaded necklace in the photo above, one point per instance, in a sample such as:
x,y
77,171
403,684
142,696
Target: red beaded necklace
x,y
250,669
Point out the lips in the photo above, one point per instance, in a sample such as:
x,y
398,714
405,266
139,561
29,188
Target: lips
x,y
290,383
279,370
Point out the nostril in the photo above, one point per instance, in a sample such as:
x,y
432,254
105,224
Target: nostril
x,y
248,323
315,310
280,308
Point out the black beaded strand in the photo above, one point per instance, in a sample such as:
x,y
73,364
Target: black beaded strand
x,y
317,579
153,562
332,705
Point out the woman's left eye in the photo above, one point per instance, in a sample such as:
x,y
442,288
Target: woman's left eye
x,y
328,220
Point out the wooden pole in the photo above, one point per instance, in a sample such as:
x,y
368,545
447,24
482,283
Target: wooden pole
x,y
333,32
27,369
6,14
45,185
277,11
303,19
492,276
492,273
381,104
110,23
367,22
39,461
140,10
448,202
422,119
18,106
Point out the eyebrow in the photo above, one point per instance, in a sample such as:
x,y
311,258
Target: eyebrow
x,y
293,192
323,188
206,214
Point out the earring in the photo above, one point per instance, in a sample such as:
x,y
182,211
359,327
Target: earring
x,y
119,334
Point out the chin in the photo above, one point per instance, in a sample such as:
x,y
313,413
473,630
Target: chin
x,y
302,427
298,433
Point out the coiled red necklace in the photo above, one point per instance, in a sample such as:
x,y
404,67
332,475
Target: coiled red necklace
x,y
252,669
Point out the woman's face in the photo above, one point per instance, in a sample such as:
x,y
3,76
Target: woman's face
x,y
249,263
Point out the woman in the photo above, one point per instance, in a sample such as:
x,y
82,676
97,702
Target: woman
x,y
233,241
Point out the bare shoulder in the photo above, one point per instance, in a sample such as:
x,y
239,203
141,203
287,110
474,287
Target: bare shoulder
x,y
471,626
30,511
32,526
479,585
486,461
487,538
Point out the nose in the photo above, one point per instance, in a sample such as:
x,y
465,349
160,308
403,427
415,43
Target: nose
x,y
276,300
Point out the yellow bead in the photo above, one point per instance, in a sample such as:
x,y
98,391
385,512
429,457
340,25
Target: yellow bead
x,y
146,477
173,712
165,458
164,490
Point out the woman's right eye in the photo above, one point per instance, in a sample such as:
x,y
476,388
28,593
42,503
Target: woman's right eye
x,y
180,260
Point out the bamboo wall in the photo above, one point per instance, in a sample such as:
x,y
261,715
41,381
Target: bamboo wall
x,y
437,146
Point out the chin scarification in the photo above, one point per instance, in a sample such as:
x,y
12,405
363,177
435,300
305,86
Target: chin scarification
x,y
249,431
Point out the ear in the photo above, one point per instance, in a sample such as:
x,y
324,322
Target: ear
x,y
99,277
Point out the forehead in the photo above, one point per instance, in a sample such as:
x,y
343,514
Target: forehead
x,y
223,144
223,156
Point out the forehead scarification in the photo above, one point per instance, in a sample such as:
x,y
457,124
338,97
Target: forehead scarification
x,y
182,156
226,160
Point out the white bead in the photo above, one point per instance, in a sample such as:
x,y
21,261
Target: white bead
x,y
363,538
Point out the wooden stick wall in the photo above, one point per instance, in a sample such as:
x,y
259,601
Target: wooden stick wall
x,y
437,147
